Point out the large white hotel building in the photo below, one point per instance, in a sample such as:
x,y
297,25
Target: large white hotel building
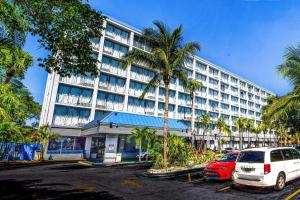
x,y
70,103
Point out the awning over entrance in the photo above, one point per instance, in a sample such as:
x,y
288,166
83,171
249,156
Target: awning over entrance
x,y
115,121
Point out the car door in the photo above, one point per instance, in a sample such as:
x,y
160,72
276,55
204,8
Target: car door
x,y
290,165
277,162
296,159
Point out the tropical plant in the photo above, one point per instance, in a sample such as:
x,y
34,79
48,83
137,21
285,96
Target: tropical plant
x,y
222,128
14,61
249,128
167,57
203,122
264,128
42,136
191,86
240,125
151,139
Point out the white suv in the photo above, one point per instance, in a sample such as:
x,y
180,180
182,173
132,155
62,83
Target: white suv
x,y
267,167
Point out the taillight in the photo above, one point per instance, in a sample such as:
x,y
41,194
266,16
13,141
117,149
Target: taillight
x,y
267,168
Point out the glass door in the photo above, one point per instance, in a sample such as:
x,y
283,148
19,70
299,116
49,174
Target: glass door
x,y
98,147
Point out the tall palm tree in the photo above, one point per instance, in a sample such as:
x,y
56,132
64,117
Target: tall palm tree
x,y
240,125
167,57
138,134
191,86
249,127
203,122
223,128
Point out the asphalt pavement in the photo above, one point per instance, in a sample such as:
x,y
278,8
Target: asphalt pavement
x,y
76,181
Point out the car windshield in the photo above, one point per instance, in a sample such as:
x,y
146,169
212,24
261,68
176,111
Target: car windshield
x,y
227,158
251,157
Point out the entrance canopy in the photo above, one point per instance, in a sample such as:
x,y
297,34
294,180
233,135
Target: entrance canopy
x,y
118,122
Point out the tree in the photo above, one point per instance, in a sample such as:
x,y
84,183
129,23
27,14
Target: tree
x,y
240,124
204,122
167,57
64,29
222,128
151,138
264,128
138,134
191,86
14,61
249,127
43,136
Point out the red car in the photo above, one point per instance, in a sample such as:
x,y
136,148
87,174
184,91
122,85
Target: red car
x,y
222,168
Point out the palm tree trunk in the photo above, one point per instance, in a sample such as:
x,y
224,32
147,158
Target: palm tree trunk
x,y
192,120
219,142
264,139
165,130
241,140
249,142
9,74
140,152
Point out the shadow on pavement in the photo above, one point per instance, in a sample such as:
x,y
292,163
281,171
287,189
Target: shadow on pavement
x,y
30,189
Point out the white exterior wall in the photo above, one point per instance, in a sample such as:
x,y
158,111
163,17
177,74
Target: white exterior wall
x,y
53,82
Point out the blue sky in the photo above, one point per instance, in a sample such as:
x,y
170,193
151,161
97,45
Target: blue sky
x,y
246,37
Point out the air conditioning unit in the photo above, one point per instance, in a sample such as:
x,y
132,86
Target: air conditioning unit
x,y
149,113
161,99
105,69
104,87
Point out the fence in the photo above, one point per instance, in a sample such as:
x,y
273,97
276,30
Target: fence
x,y
17,151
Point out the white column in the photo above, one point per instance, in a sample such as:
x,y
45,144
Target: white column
x,y
96,81
128,74
87,146
53,93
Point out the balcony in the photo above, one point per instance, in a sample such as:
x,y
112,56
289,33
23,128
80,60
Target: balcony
x,y
78,80
111,87
117,34
113,70
184,116
109,105
184,102
170,114
140,77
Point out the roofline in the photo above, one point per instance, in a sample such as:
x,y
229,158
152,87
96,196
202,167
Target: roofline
x,y
138,31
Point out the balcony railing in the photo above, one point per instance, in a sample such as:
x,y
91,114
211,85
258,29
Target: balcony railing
x,y
110,105
114,70
111,87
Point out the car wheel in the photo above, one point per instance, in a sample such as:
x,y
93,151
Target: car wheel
x,y
280,182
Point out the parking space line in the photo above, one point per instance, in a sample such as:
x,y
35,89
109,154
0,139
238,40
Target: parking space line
x,y
225,188
291,196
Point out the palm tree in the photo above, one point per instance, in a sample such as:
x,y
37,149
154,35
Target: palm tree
x,y
151,138
42,136
138,134
249,127
167,57
263,127
204,122
14,61
191,86
240,124
222,128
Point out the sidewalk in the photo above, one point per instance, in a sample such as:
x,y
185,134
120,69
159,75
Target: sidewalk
x,y
129,163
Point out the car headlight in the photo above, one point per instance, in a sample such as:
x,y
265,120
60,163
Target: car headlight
x,y
223,168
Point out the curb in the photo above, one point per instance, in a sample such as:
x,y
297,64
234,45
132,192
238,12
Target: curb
x,y
125,164
22,165
173,174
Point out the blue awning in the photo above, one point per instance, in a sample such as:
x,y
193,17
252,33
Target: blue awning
x,y
130,119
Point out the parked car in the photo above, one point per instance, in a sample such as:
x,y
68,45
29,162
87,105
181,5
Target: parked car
x,y
222,168
143,156
267,167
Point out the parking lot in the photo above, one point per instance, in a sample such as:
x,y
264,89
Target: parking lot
x,y
75,181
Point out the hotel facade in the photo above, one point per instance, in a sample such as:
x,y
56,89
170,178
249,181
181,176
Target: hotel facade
x,y
71,103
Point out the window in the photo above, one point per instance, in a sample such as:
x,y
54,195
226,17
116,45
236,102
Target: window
x,y
227,158
200,77
234,108
213,92
251,157
213,103
224,106
233,89
213,71
242,101
243,110
276,156
224,76
235,99
243,84
233,80
66,144
296,154
213,81
200,66
287,154
200,100
224,96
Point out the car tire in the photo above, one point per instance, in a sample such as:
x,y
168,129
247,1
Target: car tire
x,y
280,182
